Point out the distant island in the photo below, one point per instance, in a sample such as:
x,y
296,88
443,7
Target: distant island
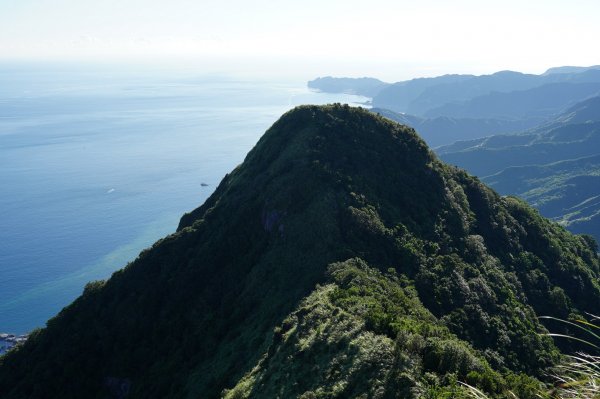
x,y
367,87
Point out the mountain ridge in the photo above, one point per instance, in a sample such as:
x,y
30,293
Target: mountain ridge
x,y
436,96
553,166
335,215
443,130
542,102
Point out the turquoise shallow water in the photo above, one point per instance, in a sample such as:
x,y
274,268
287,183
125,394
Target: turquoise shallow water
x,y
97,164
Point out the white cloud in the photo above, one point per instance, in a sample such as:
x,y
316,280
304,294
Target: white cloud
x,y
475,34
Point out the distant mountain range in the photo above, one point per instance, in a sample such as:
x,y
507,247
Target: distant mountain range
x,y
566,191
451,108
556,167
539,102
504,94
473,92
535,136
570,69
443,130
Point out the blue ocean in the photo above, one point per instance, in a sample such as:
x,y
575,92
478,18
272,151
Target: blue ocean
x,y
97,163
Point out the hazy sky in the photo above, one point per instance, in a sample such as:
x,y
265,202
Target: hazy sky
x,y
389,39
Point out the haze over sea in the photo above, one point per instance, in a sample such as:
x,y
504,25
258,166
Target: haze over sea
x,y
98,162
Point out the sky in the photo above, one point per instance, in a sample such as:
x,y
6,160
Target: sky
x,y
392,40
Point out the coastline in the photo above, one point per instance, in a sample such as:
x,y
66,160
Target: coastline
x,y
8,341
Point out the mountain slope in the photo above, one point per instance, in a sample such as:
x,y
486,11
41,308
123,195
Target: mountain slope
x,y
584,113
457,93
399,96
539,102
566,191
445,131
384,351
492,154
425,277
555,167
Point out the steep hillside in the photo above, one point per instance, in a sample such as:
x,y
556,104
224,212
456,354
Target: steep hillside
x,y
566,191
584,112
443,130
493,154
340,259
554,167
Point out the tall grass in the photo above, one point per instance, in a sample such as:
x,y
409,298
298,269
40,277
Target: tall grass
x,y
578,375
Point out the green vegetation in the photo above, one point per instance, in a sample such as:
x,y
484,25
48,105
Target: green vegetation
x,y
576,376
556,167
366,334
493,154
566,191
341,259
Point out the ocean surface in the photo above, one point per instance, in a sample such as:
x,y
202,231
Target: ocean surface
x,y
97,163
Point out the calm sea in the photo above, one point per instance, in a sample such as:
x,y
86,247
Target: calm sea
x,y
97,163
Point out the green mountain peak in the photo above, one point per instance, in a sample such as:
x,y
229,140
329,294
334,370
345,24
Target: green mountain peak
x,y
340,259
